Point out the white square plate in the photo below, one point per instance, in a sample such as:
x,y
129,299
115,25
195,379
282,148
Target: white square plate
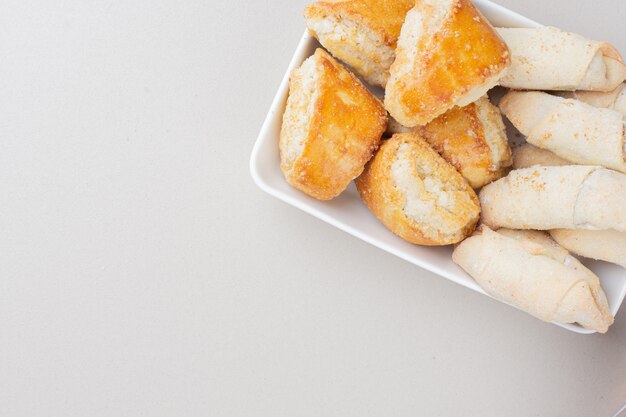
x,y
349,214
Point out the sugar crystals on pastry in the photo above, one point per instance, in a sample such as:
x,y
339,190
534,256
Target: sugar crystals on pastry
x,y
331,127
573,130
556,197
530,271
417,194
361,33
448,55
550,59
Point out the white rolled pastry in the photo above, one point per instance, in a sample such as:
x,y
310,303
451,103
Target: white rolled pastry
x,y
557,197
530,271
528,155
551,59
604,245
573,130
614,100
416,194
620,100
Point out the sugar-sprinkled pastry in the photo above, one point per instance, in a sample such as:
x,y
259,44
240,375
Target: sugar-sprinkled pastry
x,y
361,33
473,139
448,55
331,127
529,270
550,59
556,197
417,194
571,129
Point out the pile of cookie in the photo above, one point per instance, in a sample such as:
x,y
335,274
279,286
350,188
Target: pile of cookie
x,y
432,160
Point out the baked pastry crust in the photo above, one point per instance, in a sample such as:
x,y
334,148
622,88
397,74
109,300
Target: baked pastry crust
x,y
605,245
342,131
418,195
573,130
556,197
472,139
550,59
529,270
361,33
448,54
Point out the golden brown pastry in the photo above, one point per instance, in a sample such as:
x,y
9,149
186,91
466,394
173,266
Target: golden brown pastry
x,y
331,127
362,33
417,194
472,139
448,55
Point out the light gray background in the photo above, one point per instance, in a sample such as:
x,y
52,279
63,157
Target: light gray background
x,y
143,274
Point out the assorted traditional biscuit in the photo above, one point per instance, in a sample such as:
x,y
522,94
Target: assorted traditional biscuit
x,y
571,129
448,55
331,127
471,138
550,59
532,272
361,33
417,194
556,197
437,59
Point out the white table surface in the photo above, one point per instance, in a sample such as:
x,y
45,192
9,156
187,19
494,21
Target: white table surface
x,y
143,274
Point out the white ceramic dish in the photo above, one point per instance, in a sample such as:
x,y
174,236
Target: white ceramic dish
x,y
348,213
